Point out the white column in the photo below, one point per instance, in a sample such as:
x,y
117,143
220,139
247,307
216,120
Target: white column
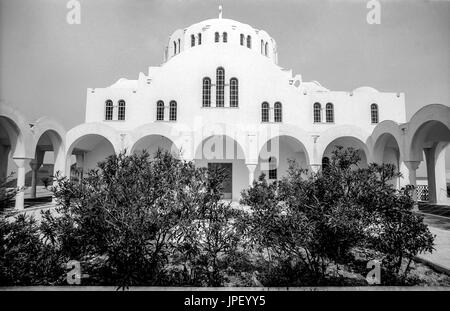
x,y
21,164
251,173
431,176
412,167
315,168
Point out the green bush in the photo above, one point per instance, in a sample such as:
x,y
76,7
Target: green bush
x,y
6,194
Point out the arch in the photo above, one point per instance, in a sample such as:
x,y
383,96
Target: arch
x,y
357,136
17,131
192,40
216,37
151,142
317,113
249,41
224,37
199,38
278,112
91,135
329,113
266,49
265,112
220,87
242,38
206,92
380,136
174,47
234,92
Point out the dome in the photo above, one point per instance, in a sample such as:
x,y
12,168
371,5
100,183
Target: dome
x,y
221,31
365,89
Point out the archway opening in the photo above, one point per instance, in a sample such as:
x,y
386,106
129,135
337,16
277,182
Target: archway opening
x,y
387,151
430,143
9,139
348,142
85,153
276,154
221,151
151,144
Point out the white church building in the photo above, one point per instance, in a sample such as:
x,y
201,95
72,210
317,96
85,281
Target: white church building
x,y
220,98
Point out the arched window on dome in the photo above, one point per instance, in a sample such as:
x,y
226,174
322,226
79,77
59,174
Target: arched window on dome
x,y
329,113
225,37
160,110
266,49
278,112
206,92
108,110
317,113
272,168
192,40
121,112
174,48
199,38
374,113
242,39
216,37
249,41
265,112
173,111
234,92
220,87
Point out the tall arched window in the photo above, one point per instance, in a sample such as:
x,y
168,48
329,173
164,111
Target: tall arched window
x,y
121,112
216,37
199,38
179,46
278,112
329,113
272,168
374,113
220,87
249,42
173,111
234,92
265,112
242,39
160,110
317,113
262,46
174,48
224,37
206,98
192,40
108,110
266,49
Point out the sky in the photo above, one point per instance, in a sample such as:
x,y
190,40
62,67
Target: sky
x,y
47,64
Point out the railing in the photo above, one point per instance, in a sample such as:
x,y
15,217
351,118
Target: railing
x,y
422,193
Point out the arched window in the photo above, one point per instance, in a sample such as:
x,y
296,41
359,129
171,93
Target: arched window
x,y
173,111
266,49
160,110
179,46
265,112
272,168
192,40
224,37
262,46
174,48
249,42
329,113
206,92
374,113
199,38
220,87
278,113
242,39
121,112
234,92
108,110
317,113
216,37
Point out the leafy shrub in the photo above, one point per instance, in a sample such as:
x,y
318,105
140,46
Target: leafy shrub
x,y
6,194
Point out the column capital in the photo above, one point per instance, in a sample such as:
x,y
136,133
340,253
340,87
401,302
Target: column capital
x,y
315,167
412,165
